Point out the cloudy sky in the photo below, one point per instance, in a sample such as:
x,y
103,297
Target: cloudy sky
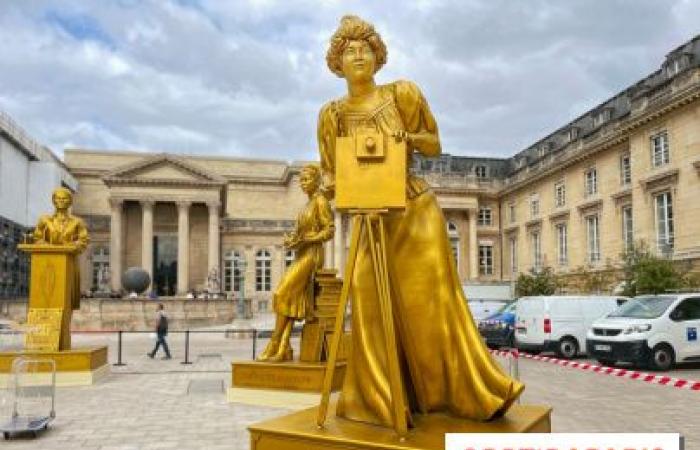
x,y
247,77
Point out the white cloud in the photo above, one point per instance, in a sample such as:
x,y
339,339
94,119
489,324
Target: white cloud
x,y
247,78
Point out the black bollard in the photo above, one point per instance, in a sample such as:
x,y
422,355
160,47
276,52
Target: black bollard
x,y
119,350
187,348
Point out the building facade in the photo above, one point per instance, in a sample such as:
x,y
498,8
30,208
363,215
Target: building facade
x,y
180,218
625,171
29,172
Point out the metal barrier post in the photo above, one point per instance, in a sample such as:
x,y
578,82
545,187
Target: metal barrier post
x,y
187,348
119,350
513,367
255,340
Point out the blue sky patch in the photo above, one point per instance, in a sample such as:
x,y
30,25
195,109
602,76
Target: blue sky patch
x,y
79,26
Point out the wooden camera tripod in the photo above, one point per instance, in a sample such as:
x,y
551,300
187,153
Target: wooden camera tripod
x,y
369,223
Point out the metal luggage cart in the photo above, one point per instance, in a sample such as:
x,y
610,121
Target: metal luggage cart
x,y
30,398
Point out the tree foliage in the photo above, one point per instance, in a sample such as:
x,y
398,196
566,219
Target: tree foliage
x,y
595,281
646,273
542,282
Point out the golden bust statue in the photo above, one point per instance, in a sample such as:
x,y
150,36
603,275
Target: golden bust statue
x,y
295,292
62,228
445,364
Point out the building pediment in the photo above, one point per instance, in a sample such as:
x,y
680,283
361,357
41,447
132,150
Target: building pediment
x,y
162,169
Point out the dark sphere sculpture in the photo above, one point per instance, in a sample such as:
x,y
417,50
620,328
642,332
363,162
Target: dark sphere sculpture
x,y
135,279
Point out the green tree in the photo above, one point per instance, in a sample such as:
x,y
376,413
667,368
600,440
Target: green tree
x,y
595,281
646,273
542,282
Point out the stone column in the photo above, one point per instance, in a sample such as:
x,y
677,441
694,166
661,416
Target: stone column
x,y
183,247
473,246
115,243
213,238
147,239
338,244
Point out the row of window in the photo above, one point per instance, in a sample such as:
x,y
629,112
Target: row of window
x,y
234,264
485,251
664,233
660,155
233,269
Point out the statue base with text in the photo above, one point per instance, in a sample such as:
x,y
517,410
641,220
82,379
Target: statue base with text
x,y
53,295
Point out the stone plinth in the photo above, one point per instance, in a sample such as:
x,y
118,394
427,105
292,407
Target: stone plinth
x,y
75,367
290,375
298,430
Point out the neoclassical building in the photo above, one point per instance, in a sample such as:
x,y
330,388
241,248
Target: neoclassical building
x,y
181,217
627,170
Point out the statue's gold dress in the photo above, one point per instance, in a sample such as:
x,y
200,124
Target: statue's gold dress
x,y
446,366
295,292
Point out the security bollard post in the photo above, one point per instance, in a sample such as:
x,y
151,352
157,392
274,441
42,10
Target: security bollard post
x,y
513,367
255,340
119,349
187,348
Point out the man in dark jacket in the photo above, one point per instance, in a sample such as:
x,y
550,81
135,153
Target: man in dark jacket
x,y
161,331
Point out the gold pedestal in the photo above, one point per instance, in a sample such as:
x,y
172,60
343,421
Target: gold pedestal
x,y
76,367
290,375
298,431
53,295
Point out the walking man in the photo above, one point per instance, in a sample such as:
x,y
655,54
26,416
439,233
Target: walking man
x,y
161,331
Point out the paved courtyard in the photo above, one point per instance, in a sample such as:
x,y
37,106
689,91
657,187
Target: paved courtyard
x,y
156,404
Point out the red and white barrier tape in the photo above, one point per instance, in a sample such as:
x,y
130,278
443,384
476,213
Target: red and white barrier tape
x,y
623,373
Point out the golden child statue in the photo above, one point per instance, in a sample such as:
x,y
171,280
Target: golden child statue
x,y
62,228
294,295
446,366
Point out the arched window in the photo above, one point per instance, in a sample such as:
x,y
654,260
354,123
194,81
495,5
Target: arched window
x,y
289,256
233,271
100,268
263,271
453,234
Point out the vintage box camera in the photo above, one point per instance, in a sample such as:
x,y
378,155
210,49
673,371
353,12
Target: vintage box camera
x,y
370,171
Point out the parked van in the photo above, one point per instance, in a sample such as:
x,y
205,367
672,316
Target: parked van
x,y
482,309
559,323
654,331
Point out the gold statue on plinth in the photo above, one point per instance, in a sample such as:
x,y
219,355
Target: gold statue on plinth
x,y
294,296
417,367
55,281
54,292
443,363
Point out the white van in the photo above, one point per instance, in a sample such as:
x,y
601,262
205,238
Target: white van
x,y
650,330
559,323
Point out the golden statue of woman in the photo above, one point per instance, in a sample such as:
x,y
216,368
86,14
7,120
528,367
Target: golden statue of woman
x,y
446,366
295,292
63,228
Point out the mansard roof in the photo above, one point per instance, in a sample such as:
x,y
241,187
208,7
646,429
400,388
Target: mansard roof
x,y
676,62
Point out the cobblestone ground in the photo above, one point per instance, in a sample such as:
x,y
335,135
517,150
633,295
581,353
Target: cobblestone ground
x,y
146,404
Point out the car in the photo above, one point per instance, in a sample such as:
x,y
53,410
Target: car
x,y
654,331
498,330
559,323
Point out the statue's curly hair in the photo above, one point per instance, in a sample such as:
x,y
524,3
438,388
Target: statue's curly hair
x,y
353,28
63,191
315,171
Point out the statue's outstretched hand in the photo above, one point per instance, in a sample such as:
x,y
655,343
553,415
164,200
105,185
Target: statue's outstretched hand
x,y
402,135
